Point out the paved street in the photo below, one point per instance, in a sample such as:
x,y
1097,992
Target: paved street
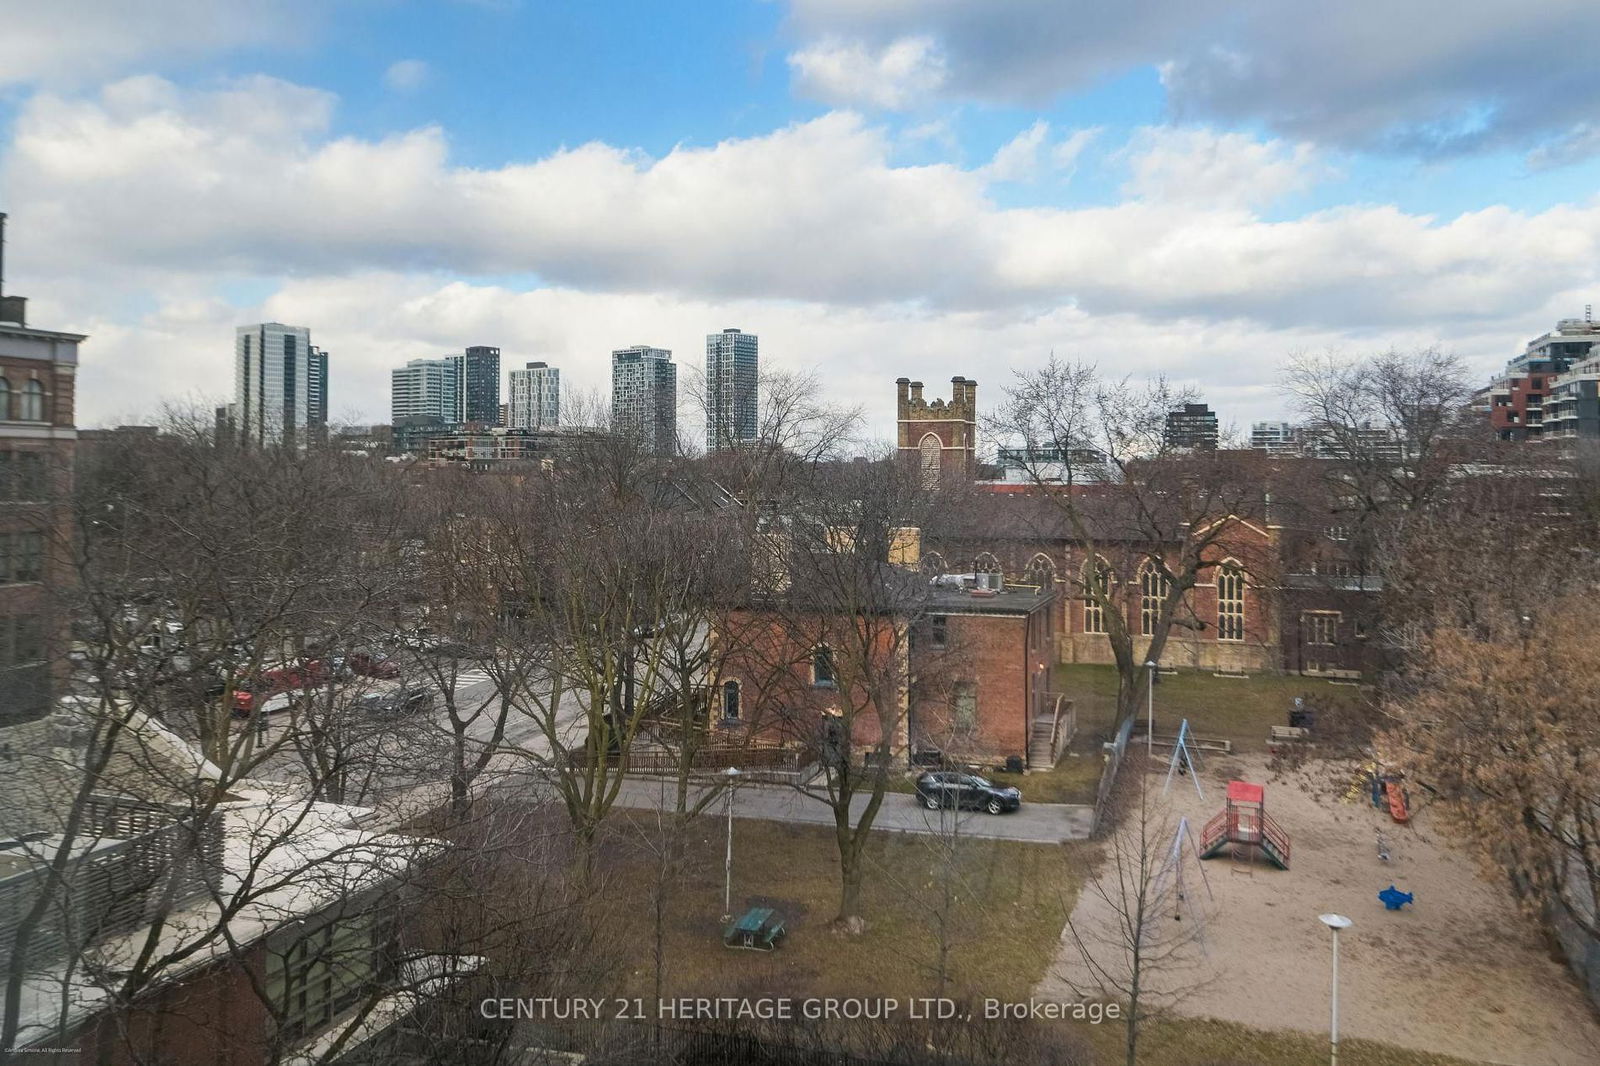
x,y
1045,823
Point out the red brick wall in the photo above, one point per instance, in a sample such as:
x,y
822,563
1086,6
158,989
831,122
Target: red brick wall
x,y
213,1018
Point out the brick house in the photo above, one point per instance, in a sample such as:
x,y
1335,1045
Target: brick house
x,y
958,670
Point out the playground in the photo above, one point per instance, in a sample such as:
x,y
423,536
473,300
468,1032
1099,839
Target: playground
x,y
1457,971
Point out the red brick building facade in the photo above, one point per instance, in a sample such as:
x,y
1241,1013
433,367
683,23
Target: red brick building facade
x,y
939,437
38,372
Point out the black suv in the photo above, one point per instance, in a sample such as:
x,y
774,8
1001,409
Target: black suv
x,y
410,699
946,788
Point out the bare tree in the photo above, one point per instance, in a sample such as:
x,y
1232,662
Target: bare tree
x,y
1137,927
1151,520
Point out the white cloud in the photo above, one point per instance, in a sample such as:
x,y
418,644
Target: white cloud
x,y
406,75
1209,168
246,181
148,195
1064,156
897,76
1425,76
77,41
1018,158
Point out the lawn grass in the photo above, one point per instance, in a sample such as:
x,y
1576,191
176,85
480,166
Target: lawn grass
x,y
1013,905
1012,902
1240,709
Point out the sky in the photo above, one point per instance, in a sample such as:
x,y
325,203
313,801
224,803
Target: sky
x,y
1191,188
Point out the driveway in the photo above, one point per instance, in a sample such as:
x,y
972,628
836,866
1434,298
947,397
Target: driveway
x,y
1039,823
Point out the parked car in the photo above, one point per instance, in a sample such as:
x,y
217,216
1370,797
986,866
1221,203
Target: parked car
x,y
408,699
366,664
947,788
287,678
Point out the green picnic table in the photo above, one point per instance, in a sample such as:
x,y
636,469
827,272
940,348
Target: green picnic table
x,y
759,929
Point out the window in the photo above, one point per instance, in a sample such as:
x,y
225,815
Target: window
x,y
730,700
964,706
822,672
21,557
1097,581
1230,602
31,409
987,563
1320,627
1153,588
5,398
933,564
320,974
1041,572
939,632
930,450
24,677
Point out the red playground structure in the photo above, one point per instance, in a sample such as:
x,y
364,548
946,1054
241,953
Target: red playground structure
x,y
1244,821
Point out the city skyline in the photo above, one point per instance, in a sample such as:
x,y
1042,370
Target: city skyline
x,y
891,189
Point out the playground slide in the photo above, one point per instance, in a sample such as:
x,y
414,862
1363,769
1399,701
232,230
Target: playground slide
x,y
1397,801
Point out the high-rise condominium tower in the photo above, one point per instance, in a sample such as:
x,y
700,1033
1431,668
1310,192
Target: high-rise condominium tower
x,y
732,370
480,385
280,384
535,397
428,388
644,396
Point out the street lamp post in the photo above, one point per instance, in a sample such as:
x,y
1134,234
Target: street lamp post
x,y
1335,922
732,774
1150,710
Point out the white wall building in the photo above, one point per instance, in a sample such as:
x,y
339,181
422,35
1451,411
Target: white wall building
x,y
535,397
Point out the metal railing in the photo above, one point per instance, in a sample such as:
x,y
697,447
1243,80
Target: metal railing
x,y
132,856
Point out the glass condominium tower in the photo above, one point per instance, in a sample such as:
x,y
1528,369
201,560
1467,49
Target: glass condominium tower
x,y
732,372
644,397
280,384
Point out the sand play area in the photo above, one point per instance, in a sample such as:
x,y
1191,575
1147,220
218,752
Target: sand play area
x,y
1457,972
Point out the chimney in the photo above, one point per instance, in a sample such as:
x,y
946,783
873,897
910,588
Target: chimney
x,y
902,388
916,392
13,309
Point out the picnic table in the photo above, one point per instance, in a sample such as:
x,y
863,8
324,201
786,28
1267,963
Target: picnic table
x,y
758,929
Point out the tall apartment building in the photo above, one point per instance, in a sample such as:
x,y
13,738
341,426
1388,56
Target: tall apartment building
x,y
940,438
535,397
428,388
1514,401
644,396
1279,438
732,381
38,375
280,384
480,385
1194,425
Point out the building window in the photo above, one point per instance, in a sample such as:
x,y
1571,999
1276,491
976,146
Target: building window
x,y
730,700
987,563
323,973
929,450
5,398
1320,627
964,707
1230,602
1041,572
24,673
1153,588
1097,581
21,557
822,671
31,407
933,564
939,632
